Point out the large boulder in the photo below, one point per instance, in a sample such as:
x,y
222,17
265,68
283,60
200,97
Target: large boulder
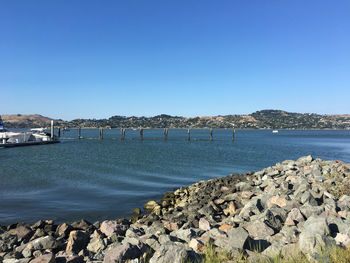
x,y
237,239
46,258
122,253
172,253
77,241
110,227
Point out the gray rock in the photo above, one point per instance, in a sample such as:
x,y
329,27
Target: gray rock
x,y
311,243
14,260
237,238
304,160
122,253
259,230
307,197
294,217
42,243
96,244
186,234
338,225
172,253
155,230
344,202
316,225
308,210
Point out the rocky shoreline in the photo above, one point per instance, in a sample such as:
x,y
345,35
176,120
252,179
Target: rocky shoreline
x,y
294,206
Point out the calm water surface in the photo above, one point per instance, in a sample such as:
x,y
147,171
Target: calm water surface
x,y
96,180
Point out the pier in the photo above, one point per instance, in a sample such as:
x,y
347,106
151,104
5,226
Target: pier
x,y
141,136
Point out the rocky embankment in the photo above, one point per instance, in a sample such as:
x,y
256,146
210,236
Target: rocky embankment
x,y
294,206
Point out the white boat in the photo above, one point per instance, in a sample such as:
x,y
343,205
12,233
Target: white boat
x,y
35,136
275,131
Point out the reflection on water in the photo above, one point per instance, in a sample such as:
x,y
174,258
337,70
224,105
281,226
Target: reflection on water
x,y
98,179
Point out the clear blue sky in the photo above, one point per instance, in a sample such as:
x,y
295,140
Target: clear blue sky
x,y
94,59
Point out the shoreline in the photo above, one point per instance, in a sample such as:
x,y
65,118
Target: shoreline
x,y
301,205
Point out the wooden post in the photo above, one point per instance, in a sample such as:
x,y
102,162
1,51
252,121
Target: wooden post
x,y
141,134
122,134
101,133
188,135
52,130
211,134
79,133
233,134
165,134
59,133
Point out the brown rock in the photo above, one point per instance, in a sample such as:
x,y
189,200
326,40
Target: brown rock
x,y
64,230
77,241
171,226
109,227
46,258
22,232
225,227
247,194
276,200
230,210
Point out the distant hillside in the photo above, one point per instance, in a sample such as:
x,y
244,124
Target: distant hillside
x,y
25,120
265,119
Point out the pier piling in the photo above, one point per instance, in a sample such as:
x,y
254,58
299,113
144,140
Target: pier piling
x,y
101,133
165,134
233,134
188,135
141,134
52,130
211,134
122,134
59,133
79,133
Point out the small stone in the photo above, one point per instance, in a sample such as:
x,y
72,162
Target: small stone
x,y
64,230
230,210
276,200
136,211
196,245
96,245
171,226
150,205
225,227
294,217
204,224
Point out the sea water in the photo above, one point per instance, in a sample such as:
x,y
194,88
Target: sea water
x,y
105,179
